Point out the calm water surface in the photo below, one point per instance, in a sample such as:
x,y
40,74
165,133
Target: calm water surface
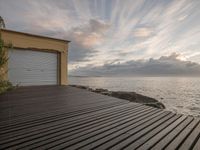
x,y
181,95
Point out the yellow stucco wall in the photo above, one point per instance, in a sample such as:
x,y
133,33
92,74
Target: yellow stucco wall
x,y
39,43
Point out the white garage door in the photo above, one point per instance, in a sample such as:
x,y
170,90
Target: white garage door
x,y
26,67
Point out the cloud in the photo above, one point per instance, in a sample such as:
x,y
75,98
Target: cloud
x,y
142,32
181,18
164,66
85,38
104,31
90,34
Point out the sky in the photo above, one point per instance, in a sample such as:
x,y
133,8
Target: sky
x,y
116,37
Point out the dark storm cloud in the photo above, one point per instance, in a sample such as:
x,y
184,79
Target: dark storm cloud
x,y
164,66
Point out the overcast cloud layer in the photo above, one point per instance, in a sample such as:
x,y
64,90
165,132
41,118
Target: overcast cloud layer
x,y
116,34
164,66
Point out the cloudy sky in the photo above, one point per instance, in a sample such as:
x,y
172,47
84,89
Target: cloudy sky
x,y
113,36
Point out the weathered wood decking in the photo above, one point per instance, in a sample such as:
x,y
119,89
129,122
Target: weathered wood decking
x,y
62,117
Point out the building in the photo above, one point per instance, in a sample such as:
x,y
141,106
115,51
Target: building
x,y
35,60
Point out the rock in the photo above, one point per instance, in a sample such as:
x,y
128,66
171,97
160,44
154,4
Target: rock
x,y
138,98
81,86
100,90
106,93
130,96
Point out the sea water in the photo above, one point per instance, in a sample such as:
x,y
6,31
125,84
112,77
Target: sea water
x,y
178,94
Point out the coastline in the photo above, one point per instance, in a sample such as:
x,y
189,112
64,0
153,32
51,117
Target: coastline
x,y
130,96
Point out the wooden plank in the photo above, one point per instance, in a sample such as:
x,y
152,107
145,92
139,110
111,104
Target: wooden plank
x,y
63,133
65,129
182,136
90,132
192,138
56,117
78,144
197,143
120,130
73,121
160,133
29,119
17,111
67,108
140,131
163,142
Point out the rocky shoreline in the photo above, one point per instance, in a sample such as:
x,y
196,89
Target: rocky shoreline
x,y
130,96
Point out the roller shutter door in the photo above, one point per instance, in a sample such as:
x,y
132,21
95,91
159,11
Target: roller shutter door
x,y
27,67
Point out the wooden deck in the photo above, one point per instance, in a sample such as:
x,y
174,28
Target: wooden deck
x,y
62,117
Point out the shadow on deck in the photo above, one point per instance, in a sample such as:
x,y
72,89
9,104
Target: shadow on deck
x,y
63,117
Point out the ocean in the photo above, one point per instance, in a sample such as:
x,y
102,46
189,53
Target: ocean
x,y
178,94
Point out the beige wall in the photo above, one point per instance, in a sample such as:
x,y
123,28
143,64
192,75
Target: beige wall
x,y
39,43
